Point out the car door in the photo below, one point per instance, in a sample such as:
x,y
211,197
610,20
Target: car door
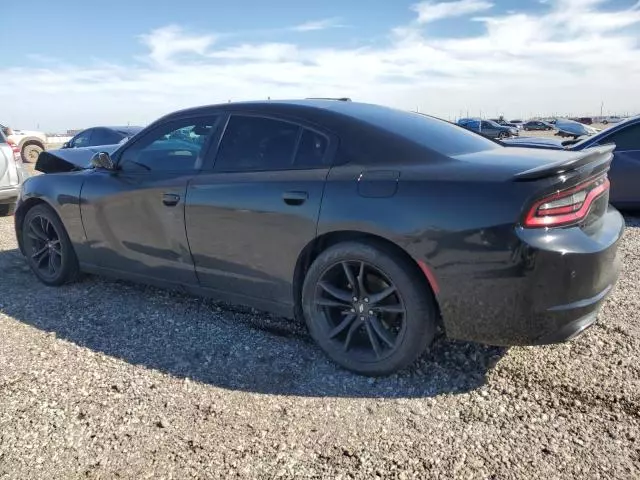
x,y
489,130
249,217
624,173
134,215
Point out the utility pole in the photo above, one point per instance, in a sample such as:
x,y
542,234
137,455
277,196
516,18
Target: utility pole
x,y
601,108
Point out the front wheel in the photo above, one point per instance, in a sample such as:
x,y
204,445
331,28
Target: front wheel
x,y
502,135
47,246
368,308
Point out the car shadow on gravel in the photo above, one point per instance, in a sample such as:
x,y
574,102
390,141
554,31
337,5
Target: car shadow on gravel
x,y
221,345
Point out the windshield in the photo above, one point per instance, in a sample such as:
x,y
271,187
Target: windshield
x,y
436,134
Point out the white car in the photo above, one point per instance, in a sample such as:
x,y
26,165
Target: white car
x,y
613,119
12,175
30,143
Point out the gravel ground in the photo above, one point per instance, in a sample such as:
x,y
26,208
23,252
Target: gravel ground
x,y
106,379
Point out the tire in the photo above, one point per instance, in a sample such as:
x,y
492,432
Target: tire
x,y
7,209
502,136
406,334
65,260
31,151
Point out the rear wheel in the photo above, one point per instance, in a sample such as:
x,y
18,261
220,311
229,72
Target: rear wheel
x,y
47,247
368,308
31,152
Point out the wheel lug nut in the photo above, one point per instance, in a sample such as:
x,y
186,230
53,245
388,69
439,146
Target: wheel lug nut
x,y
366,300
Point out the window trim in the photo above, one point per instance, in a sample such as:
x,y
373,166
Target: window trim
x,y
329,154
202,156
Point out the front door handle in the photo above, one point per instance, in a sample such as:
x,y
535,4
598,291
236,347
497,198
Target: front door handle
x,y
170,199
295,198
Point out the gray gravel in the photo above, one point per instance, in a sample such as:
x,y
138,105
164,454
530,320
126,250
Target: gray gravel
x,y
107,379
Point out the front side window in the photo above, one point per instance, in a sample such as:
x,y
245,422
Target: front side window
x,y
175,146
256,144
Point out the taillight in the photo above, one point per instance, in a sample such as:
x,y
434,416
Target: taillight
x,y
566,206
16,151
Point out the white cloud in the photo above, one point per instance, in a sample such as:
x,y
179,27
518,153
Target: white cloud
x,y
164,43
318,25
429,11
566,59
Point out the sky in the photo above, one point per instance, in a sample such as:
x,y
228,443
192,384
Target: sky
x,y
73,63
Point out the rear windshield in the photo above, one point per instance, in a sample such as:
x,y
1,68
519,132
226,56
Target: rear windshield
x,y
438,135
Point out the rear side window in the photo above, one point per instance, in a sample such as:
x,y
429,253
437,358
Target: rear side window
x,y
626,139
438,135
312,150
103,136
264,144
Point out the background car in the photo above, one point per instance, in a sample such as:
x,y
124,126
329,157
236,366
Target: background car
x,y
96,136
373,225
488,128
30,142
536,125
12,174
624,173
504,123
613,119
583,120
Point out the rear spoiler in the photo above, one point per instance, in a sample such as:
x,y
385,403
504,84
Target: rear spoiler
x,y
597,157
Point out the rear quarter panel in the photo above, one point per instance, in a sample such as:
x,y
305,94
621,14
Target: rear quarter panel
x,y
462,226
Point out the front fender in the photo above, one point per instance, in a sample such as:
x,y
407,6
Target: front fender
x,y
62,193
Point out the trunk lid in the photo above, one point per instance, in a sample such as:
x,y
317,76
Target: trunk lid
x,y
527,164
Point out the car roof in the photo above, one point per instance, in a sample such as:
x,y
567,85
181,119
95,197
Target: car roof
x,y
355,110
126,129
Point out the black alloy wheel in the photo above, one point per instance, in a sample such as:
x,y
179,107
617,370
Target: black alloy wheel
x,y
362,308
45,251
367,308
47,247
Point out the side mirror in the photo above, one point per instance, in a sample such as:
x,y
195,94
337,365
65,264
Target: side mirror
x,y
66,145
102,160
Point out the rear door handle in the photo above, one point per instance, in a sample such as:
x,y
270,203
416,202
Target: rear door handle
x,y
170,199
295,198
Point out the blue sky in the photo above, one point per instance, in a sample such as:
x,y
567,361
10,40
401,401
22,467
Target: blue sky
x,y
78,63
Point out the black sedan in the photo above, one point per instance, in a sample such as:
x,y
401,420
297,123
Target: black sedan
x,y
96,136
375,226
536,125
624,173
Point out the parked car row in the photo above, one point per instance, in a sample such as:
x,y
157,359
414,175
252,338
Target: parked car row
x,y
376,227
488,128
624,173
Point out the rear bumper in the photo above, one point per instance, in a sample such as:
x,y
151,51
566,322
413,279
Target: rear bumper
x,y
548,289
9,194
